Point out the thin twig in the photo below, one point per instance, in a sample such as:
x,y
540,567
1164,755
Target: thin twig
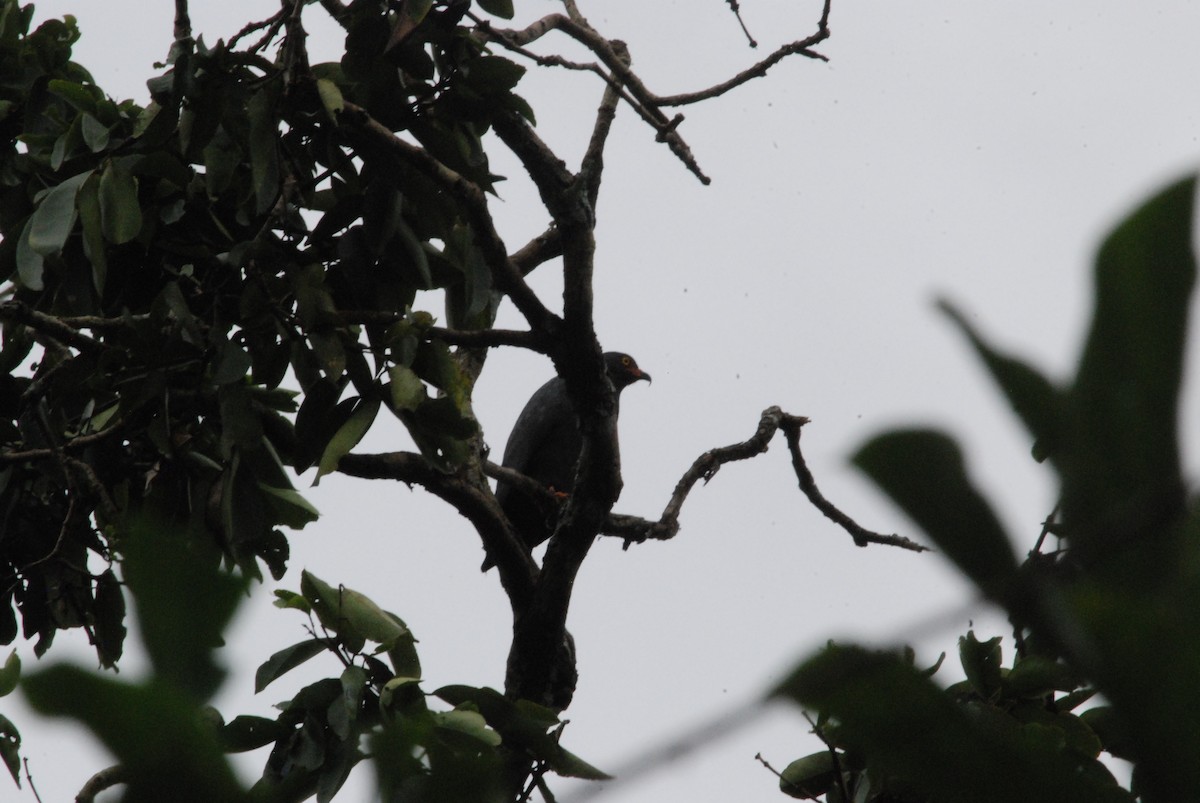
x,y
29,777
791,429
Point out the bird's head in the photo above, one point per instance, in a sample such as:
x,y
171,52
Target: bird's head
x,y
623,370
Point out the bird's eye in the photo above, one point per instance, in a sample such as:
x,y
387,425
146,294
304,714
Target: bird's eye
x,y
626,361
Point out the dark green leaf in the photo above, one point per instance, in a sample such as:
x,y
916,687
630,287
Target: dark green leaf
x,y
183,605
1121,472
250,733
923,472
10,673
264,153
90,217
291,508
348,435
981,662
120,213
10,748
1032,396
809,777
95,133
286,660
913,732
501,8
465,727
110,619
154,730
54,218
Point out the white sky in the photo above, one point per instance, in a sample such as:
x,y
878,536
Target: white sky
x,y
975,152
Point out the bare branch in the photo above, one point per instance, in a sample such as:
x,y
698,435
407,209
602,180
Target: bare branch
x,y
791,429
706,466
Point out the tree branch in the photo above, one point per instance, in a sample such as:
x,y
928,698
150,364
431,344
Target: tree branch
x,y
19,312
518,572
706,466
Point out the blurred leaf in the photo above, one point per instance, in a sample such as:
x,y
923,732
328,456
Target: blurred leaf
x,y
183,605
912,731
1038,403
10,748
1036,676
153,729
923,472
10,673
1121,472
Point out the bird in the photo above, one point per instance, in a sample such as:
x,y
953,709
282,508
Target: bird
x,y
544,445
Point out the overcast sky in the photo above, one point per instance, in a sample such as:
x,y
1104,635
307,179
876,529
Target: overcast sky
x,y
976,152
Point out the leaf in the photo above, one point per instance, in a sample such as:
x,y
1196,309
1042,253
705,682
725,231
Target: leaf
x,y
290,506
54,218
923,472
95,133
1034,399
120,213
10,673
183,604
153,729
250,733
264,154
285,661
30,264
1035,676
10,748
1121,470
347,436
407,389
331,97
500,8
94,248
809,777
465,727
981,663
109,612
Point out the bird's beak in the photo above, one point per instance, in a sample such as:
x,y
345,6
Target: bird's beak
x,y
643,375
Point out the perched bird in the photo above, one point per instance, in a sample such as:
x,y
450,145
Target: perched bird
x,y
544,445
